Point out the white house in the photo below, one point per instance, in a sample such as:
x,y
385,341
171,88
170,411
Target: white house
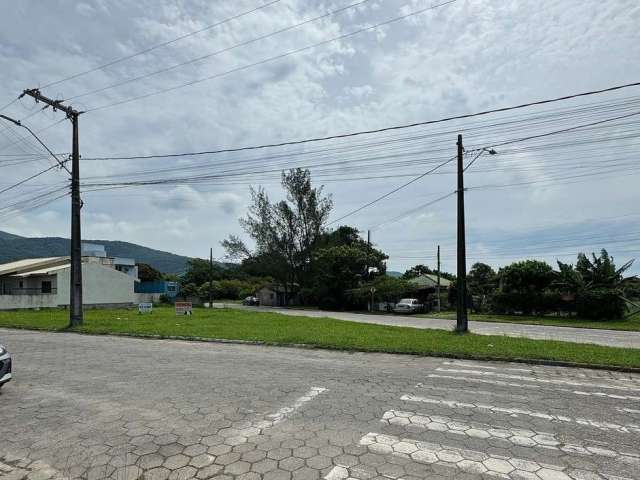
x,y
44,282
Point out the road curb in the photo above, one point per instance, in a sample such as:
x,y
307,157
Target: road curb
x,y
551,363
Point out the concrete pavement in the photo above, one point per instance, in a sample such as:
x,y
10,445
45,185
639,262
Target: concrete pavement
x,y
613,338
97,407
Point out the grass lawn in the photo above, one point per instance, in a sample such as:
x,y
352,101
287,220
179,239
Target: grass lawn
x,y
275,328
631,324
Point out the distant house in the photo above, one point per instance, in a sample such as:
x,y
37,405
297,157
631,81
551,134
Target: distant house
x,y
44,282
273,295
429,281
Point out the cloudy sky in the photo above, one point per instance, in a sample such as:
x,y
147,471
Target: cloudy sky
x,y
576,191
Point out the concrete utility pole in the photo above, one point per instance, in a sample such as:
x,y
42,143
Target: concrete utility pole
x,y
461,284
438,284
210,277
75,288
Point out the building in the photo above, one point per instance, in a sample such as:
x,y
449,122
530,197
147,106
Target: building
x,y
429,282
272,295
44,282
425,289
151,291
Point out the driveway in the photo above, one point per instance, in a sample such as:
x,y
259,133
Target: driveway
x,y
98,407
613,338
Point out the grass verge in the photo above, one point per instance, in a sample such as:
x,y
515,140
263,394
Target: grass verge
x,y
274,328
631,324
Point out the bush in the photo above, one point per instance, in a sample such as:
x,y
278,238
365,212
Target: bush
x,y
164,299
527,303
600,304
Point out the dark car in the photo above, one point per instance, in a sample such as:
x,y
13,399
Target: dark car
x,y
251,301
5,366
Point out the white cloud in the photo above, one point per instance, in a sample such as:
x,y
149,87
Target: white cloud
x,y
464,57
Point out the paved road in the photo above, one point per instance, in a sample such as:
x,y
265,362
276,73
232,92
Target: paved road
x,y
614,338
103,407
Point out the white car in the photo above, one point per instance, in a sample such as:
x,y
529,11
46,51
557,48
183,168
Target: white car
x,y
408,305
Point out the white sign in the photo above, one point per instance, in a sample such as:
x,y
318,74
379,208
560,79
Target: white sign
x,y
145,307
184,308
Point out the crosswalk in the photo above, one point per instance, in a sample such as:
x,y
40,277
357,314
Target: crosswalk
x,y
453,428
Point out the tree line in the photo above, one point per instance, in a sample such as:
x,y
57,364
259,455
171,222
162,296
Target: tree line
x,y
292,246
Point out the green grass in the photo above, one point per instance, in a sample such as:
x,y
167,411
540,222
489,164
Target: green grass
x,y
630,324
275,328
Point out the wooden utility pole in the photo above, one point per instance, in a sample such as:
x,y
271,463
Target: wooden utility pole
x,y
461,284
75,287
438,284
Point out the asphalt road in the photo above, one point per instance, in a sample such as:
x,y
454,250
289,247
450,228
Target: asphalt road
x,y
613,338
104,407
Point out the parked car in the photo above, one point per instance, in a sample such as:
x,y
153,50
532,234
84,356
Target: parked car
x,y
408,305
5,366
251,301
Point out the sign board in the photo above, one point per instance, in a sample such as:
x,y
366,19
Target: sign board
x,y
184,308
145,307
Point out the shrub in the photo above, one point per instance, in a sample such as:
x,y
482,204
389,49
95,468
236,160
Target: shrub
x,y
527,303
164,299
600,304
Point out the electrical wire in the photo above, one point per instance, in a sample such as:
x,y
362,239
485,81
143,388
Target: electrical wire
x,y
270,59
379,130
382,197
216,53
159,45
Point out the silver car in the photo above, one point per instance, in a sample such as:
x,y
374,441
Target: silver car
x,y
408,305
5,366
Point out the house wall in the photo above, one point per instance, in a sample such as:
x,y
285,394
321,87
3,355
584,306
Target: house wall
x,y
11,302
147,297
267,297
11,285
100,285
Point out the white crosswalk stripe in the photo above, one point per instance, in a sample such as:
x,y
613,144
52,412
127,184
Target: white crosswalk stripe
x,y
520,411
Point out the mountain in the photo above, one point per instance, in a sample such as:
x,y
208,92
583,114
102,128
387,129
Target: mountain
x,y
14,247
391,273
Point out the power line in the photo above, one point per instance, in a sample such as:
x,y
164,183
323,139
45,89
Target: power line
x,y
20,124
379,130
28,178
270,59
413,210
391,192
159,45
217,52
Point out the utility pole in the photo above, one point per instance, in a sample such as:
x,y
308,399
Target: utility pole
x,y
461,284
210,277
368,252
75,286
438,284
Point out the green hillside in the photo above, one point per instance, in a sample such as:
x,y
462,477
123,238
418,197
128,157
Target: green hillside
x,y
14,247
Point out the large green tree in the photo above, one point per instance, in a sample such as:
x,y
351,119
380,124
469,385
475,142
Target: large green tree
x,y
286,231
481,279
526,276
342,262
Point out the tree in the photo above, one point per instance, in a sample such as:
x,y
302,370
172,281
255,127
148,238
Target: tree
x,y
341,268
526,276
481,279
146,273
416,271
286,231
601,271
419,270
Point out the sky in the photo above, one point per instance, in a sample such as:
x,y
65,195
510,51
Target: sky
x,y
541,199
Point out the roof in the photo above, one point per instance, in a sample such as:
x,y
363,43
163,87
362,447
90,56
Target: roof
x,y
31,264
429,280
45,271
